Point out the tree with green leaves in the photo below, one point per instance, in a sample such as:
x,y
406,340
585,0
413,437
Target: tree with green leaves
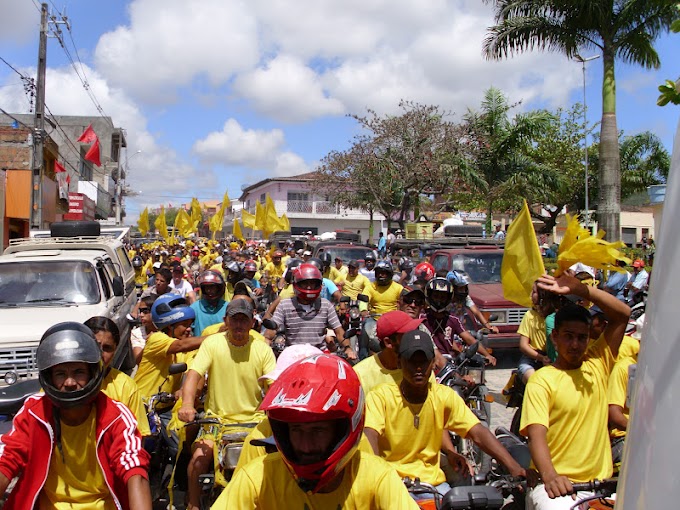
x,y
644,162
498,166
623,30
396,160
670,90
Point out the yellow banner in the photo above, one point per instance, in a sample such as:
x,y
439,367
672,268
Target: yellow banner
x,y
237,230
143,222
248,219
522,260
161,225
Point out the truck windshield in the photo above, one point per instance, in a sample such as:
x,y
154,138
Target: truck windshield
x,y
480,267
47,283
346,254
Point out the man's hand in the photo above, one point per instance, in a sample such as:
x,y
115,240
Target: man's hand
x,y
564,284
187,413
544,359
351,353
459,463
491,360
558,486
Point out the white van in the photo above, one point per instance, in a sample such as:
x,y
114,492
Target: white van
x,y
44,281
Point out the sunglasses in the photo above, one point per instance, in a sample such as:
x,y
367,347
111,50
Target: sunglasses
x,y
144,310
418,301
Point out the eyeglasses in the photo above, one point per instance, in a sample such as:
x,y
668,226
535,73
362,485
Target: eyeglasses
x,y
418,301
144,310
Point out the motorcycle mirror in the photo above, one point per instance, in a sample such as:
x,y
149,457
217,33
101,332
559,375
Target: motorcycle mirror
x,y
270,324
362,297
471,350
177,368
350,333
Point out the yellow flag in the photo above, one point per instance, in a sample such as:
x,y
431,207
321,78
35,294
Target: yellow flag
x,y
579,245
272,223
260,217
237,230
217,220
143,222
196,214
183,223
522,260
248,219
160,224
284,222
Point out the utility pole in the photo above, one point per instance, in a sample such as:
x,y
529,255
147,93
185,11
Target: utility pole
x,y
39,126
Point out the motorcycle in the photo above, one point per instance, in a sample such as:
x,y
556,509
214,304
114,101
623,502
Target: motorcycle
x,y
279,341
226,453
12,398
514,392
162,460
353,321
465,375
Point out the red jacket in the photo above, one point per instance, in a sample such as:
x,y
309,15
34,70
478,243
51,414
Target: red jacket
x,y
27,449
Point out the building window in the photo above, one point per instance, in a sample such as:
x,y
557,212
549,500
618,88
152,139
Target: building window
x,y
298,196
263,198
298,202
629,236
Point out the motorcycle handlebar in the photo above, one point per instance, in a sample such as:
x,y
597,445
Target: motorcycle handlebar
x,y
604,486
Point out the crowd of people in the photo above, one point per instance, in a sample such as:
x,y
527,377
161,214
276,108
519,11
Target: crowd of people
x,y
351,415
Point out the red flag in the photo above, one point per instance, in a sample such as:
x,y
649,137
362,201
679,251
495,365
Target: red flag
x,y
58,167
93,154
88,135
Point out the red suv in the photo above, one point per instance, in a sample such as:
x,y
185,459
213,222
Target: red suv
x,y
482,264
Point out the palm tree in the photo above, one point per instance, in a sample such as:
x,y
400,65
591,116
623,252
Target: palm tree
x,y
498,164
622,29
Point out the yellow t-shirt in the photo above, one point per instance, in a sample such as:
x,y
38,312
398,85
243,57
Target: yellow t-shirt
x,y
154,365
287,292
122,387
383,299
372,373
414,452
76,481
234,391
215,328
629,348
618,386
140,276
572,405
275,272
333,274
355,285
368,482
533,327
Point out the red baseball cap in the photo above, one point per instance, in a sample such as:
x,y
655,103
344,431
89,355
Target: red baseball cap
x,y
391,323
639,263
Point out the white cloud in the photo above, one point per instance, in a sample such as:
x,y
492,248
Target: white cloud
x,y
169,43
287,90
20,20
237,146
289,163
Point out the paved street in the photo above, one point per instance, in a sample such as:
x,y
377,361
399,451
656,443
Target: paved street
x,y
496,379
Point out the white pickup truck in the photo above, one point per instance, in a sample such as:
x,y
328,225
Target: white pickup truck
x,y
44,281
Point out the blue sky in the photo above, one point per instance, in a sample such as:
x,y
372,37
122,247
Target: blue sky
x,y
221,93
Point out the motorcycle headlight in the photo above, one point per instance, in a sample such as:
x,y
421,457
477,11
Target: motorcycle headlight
x,y
11,378
354,313
476,375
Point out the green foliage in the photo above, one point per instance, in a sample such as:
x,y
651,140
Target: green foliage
x,y
670,90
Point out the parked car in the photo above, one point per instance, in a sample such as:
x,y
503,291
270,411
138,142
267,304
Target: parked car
x,y
346,251
482,264
44,281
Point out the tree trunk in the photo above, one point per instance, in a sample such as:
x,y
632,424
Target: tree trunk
x,y
370,224
609,203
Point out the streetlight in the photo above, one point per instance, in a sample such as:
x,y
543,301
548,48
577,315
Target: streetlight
x,y
583,61
119,185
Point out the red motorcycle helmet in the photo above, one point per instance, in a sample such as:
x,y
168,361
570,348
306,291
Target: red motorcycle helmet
x,y
424,271
319,388
305,273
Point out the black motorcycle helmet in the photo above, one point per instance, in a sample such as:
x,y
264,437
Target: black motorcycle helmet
x,y
292,264
137,262
234,272
369,258
441,301
384,272
326,260
316,261
68,342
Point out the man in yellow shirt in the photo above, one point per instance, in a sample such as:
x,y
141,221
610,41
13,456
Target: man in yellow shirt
x,y
532,339
354,283
405,422
316,412
116,384
274,269
235,361
383,296
616,399
565,404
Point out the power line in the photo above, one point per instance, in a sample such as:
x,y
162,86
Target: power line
x,y
14,69
29,84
